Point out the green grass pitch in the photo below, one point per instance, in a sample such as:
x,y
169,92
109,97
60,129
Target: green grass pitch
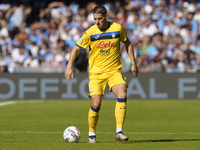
x,y
149,124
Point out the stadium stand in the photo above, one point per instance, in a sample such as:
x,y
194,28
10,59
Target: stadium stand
x,y
37,36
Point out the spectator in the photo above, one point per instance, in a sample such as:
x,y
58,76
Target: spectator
x,y
74,7
4,6
165,34
3,66
31,62
18,16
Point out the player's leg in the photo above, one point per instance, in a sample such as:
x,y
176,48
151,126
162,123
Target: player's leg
x,y
120,108
93,117
97,86
118,86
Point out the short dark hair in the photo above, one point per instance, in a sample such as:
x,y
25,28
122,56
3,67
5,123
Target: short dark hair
x,y
100,10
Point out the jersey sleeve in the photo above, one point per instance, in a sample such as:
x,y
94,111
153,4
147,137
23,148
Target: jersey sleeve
x,y
123,36
84,41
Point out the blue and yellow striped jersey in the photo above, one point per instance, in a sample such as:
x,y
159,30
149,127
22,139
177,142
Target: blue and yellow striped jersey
x,y
104,47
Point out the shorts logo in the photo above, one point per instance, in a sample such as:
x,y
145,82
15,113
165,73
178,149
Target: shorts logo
x,y
123,78
102,44
104,52
90,90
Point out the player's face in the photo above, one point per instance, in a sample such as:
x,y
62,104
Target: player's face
x,y
101,21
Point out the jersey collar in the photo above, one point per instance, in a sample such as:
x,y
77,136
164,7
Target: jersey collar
x,y
107,27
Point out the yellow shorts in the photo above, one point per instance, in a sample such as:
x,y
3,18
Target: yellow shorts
x,y
98,82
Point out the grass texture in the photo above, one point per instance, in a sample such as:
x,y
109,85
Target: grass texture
x,y
149,124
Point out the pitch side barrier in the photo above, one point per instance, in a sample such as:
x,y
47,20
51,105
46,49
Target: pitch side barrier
x,y
55,86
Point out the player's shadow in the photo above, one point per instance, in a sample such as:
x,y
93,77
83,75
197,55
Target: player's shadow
x,y
148,141
161,140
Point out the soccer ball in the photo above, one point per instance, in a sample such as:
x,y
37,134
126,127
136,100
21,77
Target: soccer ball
x,y
72,134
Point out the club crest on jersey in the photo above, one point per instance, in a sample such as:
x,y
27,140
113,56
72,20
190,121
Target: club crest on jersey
x,y
113,35
103,44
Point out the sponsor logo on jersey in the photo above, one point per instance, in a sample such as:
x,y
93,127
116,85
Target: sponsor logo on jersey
x,y
104,52
103,44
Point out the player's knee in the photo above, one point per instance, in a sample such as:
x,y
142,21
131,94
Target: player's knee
x,y
96,105
122,95
96,101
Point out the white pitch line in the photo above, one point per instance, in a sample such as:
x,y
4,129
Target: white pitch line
x,y
30,101
97,132
20,101
26,132
7,103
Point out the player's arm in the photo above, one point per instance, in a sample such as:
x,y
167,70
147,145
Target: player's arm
x,y
129,49
72,57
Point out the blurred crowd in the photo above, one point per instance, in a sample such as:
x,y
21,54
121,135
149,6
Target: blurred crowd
x,y
165,34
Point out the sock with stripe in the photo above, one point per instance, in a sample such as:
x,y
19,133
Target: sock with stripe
x,y
120,113
93,117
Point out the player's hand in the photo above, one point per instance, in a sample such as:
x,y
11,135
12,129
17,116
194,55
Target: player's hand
x,y
69,74
134,69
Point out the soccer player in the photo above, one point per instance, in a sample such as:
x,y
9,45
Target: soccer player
x,y
103,40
